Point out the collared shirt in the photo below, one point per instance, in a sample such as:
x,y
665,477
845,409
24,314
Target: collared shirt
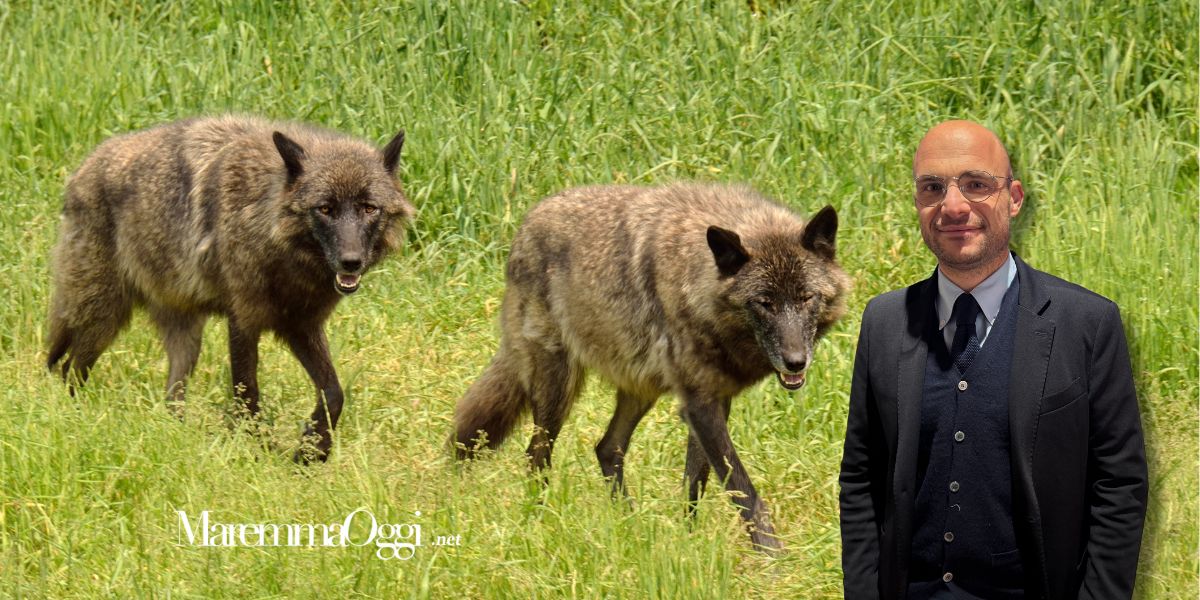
x,y
988,294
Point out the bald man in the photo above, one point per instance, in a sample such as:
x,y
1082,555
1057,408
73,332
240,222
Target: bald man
x,y
993,446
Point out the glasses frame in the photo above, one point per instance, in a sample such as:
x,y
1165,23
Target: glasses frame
x,y
1008,179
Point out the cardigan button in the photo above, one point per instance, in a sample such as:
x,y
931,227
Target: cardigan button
x,y
962,386
949,536
959,436
954,486
948,577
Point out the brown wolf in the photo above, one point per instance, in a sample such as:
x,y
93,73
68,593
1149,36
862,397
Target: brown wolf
x,y
266,223
699,290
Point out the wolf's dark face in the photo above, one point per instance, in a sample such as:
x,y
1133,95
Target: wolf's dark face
x,y
790,289
352,203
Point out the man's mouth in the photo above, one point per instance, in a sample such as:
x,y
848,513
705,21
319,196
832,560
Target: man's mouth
x,y
346,283
959,228
791,381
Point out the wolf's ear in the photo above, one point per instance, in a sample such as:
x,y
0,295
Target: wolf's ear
x,y
391,152
727,250
292,154
820,234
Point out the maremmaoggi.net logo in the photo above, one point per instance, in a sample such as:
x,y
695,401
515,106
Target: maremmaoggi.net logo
x,y
359,528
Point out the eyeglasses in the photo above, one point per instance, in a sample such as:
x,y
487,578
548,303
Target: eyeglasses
x,y
976,186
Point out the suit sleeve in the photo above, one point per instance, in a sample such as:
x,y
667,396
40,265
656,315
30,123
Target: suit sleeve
x,y
1117,478
860,536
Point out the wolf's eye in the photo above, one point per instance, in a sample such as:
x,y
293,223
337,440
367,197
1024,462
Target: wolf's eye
x,y
765,304
369,209
325,209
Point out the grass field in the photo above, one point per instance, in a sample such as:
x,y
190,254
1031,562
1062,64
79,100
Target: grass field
x,y
503,103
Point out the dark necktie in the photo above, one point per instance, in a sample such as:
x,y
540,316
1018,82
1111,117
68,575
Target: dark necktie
x,y
966,342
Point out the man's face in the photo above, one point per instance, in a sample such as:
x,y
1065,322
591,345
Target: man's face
x,y
965,236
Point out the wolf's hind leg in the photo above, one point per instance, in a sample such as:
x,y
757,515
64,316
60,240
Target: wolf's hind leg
x,y
555,381
181,334
615,444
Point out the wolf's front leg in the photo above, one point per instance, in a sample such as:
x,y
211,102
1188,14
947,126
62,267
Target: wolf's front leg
x,y
696,465
312,349
706,418
243,365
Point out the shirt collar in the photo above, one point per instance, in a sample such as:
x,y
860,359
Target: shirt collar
x,y
989,293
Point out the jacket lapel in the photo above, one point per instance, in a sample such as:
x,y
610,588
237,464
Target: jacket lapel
x,y
1031,357
910,372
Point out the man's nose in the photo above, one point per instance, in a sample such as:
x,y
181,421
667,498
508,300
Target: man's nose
x,y
955,203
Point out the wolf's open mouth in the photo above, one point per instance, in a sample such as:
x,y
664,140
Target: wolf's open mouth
x,y
791,381
346,284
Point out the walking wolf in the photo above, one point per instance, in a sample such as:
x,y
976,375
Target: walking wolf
x,y
699,290
266,223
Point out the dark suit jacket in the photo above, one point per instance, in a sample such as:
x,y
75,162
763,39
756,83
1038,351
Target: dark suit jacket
x,y
1078,458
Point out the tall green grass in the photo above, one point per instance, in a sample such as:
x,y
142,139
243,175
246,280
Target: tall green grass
x,y
503,103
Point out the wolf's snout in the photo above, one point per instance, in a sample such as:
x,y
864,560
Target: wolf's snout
x,y
350,263
791,369
795,362
349,267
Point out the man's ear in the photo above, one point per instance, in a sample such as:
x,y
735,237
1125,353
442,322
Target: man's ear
x,y
727,250
292,155
1017,193
820,234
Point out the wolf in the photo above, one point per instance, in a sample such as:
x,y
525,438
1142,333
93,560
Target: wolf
x,y
266,223
695,289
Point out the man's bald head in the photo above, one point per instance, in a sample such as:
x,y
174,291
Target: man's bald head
x,y
963,138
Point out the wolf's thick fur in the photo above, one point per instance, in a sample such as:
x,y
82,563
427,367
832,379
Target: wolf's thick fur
x,y
266,223
699,290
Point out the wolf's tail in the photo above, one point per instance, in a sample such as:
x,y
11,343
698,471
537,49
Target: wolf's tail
x,y
491,407
58,341
91,301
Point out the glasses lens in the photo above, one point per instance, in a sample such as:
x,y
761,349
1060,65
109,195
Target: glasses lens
x,y
930,190
977,185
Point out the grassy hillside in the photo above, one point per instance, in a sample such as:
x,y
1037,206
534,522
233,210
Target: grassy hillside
x,y
503,103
